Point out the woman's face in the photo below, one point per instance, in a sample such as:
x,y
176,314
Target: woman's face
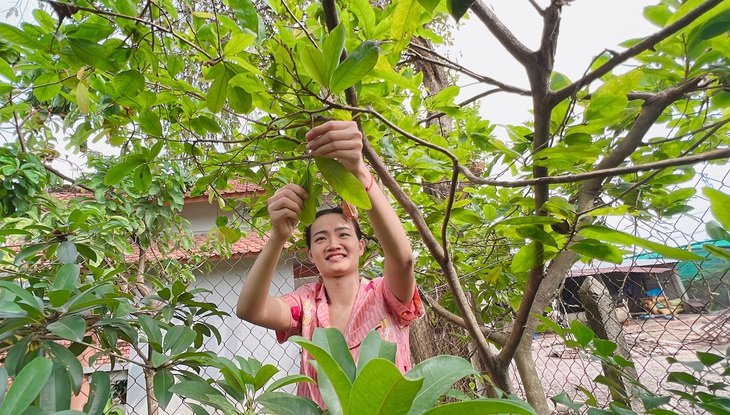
x,y
335,249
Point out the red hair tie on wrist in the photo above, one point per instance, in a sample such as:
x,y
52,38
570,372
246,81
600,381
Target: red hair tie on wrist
x,y
370,186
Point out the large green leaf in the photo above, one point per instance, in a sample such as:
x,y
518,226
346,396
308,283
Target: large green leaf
x,y
98,393
405,21
281,403
333,342
162,382
74,371
380,388
606,106
372,347
240,101
617,237
151,328
128,83
178,339
484,407
288,380
26,386
20,37
365,16
91,53
358,64
720,206
47,86
245,12
344,182
150,124
203,393
332,48
217,93
335,375
439,373
56,394
309,212
119,172
69,327
67,252
313,63
598,250
67,277
526,258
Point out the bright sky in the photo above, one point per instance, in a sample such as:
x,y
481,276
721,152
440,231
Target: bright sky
x,y
588,28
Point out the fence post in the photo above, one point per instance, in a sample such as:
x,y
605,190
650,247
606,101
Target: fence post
x,y
602,319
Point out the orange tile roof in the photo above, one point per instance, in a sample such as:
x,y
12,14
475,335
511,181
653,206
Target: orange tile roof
x,y
245,247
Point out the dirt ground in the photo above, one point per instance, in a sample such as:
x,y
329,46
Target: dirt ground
x,y
650,341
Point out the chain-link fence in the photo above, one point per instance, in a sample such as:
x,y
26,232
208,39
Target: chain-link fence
x,y
666,308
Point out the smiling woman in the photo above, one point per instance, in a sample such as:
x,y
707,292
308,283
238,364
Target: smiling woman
x,y
342,300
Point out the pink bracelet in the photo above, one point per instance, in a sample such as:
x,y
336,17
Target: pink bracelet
x,y
372,180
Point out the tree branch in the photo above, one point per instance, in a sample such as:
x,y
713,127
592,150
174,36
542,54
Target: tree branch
x,y
503,35
645,44
452,318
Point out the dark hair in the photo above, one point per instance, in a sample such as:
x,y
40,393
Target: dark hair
x,y
337,210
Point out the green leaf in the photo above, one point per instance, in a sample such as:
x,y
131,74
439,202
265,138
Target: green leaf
x,y
526,258
343,182
217,93
381,389
709,359
15,35
98,393
119,171
620,238
26,386
333,342
28,252
3,383
67,252
604,348
46,86
439,374
458,8
238,43
564,399
365,16
372,347
282,403
203,393
151,328
583,335
404,23
313,63
358,64
536,233
128,83
16,355
74,371
716,231
91,53
332,48
717,25
288,380
329,369
720,206
149,123
162,382
239,100
67,277
717,251
484,407
309,212
246,14
598,250
69,327
606,105
429,5
56,394
82,98
178,339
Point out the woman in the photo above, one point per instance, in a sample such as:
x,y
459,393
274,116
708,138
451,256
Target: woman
x,y
334,244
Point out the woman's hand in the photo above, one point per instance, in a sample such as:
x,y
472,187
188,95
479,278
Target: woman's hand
x,y
339,140
284,208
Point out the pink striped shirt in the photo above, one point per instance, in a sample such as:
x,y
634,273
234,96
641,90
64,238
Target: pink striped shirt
x,y
375,308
